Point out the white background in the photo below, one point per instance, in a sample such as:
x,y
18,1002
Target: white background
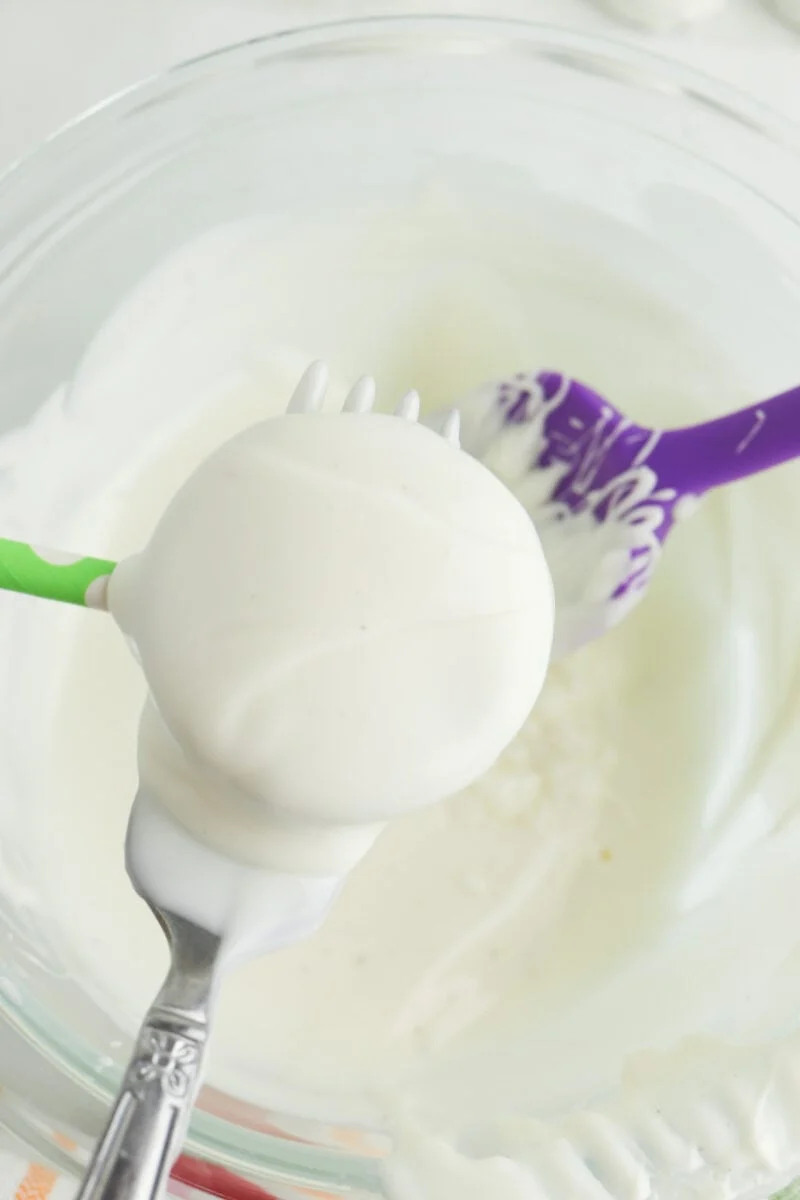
x,y
58,57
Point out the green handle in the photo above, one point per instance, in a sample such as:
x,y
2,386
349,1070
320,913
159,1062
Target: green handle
x,y
53,574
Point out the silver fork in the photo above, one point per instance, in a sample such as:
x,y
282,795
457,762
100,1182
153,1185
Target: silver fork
x,y
150,1116
148,1122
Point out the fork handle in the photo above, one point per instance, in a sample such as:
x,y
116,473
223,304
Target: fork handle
x,y
151,1113
742,443
147,1124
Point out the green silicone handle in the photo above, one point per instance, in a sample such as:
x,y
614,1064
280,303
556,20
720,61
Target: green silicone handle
x,y
53,574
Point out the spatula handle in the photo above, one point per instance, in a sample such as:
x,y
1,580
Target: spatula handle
x,y
706,456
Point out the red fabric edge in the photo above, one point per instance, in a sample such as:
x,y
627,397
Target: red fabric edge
x,y
216,1181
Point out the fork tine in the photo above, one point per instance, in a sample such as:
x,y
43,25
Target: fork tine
x,y
309,394
408,408
361,396
450,428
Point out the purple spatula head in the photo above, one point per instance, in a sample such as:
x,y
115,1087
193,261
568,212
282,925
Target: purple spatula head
x,y
604,492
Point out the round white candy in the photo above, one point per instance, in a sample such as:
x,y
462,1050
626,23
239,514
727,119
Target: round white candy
x,y
340,618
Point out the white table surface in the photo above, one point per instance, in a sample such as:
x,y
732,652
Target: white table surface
x,y
58,57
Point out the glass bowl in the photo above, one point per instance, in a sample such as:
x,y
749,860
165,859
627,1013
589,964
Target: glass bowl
x,y
306,122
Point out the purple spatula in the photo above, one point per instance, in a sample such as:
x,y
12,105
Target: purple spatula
x,y
603,492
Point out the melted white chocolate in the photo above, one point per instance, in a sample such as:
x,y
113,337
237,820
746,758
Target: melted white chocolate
x,y
519,967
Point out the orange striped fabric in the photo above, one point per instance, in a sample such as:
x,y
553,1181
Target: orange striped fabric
x,y
37,1183
66,1143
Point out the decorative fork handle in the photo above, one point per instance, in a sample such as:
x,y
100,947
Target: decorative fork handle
x,y
146,1127
151,1113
